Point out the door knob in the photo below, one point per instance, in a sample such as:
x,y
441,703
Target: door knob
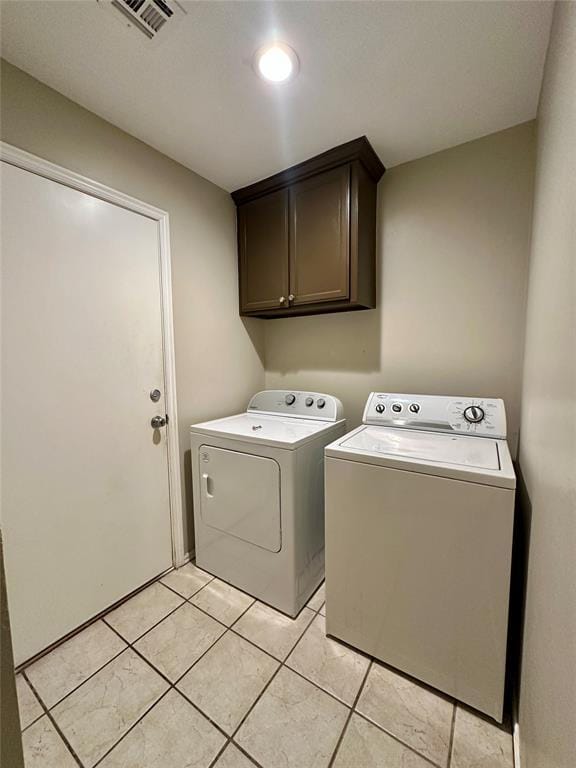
x,y
157,422
291,297
282,299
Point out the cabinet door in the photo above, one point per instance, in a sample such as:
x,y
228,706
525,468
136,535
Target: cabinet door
x,y
263,246
320,237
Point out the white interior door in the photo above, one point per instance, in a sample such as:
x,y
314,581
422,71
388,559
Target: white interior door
x,y
85,501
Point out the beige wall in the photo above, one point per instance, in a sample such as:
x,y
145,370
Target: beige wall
x,y
453,237
548,426
218,356
454,232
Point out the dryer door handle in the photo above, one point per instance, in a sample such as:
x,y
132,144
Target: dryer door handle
x,y
207,484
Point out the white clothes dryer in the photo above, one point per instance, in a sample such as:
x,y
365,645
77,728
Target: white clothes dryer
x,y
259,495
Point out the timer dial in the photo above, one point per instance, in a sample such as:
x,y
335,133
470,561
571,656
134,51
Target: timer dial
x,y
290,399
474,414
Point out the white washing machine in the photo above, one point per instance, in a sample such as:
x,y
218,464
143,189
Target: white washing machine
x,y
259,495
419,519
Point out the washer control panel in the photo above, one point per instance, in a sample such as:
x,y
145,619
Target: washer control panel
x,y
481,416
302,405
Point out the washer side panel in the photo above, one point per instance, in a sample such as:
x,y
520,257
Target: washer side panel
x,y
418,573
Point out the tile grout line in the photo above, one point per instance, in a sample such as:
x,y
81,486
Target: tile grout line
x,y
255,645
220,752
90,622
130,645
37,698
223,749
230,628
280,662
307,679
102,618
54,723
350,713
171,687
247,754
23,730
60,700
149,709
300,638
236,620
112,658
451,742
139,637
398,739
254,599
156,623
352,707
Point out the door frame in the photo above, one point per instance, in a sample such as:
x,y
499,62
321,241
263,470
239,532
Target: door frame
x,y
28,162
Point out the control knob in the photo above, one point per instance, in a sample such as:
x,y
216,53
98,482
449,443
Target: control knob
x,y
321,402
396,407
380,408
290,399
414,408
309,401
474,414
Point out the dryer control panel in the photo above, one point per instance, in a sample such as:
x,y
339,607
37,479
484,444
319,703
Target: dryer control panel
x,y
480,416
301,405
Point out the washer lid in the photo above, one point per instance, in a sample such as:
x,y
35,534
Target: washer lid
x,y
270,430
427,446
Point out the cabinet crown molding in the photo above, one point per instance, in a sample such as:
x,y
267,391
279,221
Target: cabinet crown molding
x,y
357,150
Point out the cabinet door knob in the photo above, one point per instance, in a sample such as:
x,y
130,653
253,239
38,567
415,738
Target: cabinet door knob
x,y
291,297
281,299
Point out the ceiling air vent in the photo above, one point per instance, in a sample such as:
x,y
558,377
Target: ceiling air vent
x,y
149,16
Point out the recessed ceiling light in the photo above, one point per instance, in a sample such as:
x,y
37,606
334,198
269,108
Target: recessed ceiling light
x,y
276,62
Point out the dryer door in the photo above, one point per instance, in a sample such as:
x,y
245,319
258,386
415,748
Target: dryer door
x,y
240,495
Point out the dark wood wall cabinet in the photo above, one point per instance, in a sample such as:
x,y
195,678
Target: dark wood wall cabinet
x,y
307,235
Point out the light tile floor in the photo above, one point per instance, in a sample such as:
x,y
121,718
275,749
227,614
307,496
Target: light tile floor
x,y
192,673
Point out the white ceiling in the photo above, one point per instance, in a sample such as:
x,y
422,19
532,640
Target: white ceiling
x,y
415,77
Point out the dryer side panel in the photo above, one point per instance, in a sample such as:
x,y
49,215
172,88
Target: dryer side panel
x,y
240,495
